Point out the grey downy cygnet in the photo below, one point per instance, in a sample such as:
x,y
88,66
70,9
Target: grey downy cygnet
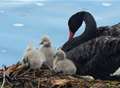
x,y
63,64
47,50
33,57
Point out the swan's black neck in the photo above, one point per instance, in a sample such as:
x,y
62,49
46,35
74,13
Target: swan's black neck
x,y
74,23
91,27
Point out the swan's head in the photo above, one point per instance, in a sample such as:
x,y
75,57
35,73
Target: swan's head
x,y
75,21
60,54
45,41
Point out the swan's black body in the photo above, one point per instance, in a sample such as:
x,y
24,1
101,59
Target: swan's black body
x,y
109,31
95,52
98,57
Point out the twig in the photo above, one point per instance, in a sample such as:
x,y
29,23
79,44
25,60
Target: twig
x,y
9,82
25,72
38,82
3,78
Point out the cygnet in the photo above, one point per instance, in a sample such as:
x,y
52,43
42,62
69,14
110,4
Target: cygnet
x,y
63,64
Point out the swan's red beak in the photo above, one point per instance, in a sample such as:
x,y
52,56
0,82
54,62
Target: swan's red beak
x,y
71,34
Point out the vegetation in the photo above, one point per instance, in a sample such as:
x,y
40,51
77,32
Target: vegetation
x,y
18,76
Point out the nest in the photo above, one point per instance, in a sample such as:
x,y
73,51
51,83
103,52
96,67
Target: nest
x,y
19,76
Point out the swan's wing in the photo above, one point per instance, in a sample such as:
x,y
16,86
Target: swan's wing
x,y
97,57
109,30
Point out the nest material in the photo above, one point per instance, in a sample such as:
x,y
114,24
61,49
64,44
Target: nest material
x,y
18,76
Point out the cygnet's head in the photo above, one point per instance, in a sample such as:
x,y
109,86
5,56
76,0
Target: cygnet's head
x,y
60,54
29,46
45,41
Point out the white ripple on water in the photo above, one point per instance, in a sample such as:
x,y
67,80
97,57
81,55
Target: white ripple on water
x,y
3,51
106,4
39,4
18,25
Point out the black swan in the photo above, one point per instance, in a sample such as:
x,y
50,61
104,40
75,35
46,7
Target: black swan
x,y
91,30
96,54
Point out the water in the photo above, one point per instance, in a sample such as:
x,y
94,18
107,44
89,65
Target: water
x,y
22,21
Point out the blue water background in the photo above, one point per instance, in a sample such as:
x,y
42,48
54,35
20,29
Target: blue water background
x,y
22,21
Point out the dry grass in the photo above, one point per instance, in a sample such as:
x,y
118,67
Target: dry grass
x,y
19,77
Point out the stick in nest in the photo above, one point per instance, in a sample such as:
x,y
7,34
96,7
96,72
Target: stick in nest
x,y
3,78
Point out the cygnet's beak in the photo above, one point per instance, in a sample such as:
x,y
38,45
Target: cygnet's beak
x,y
41,42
